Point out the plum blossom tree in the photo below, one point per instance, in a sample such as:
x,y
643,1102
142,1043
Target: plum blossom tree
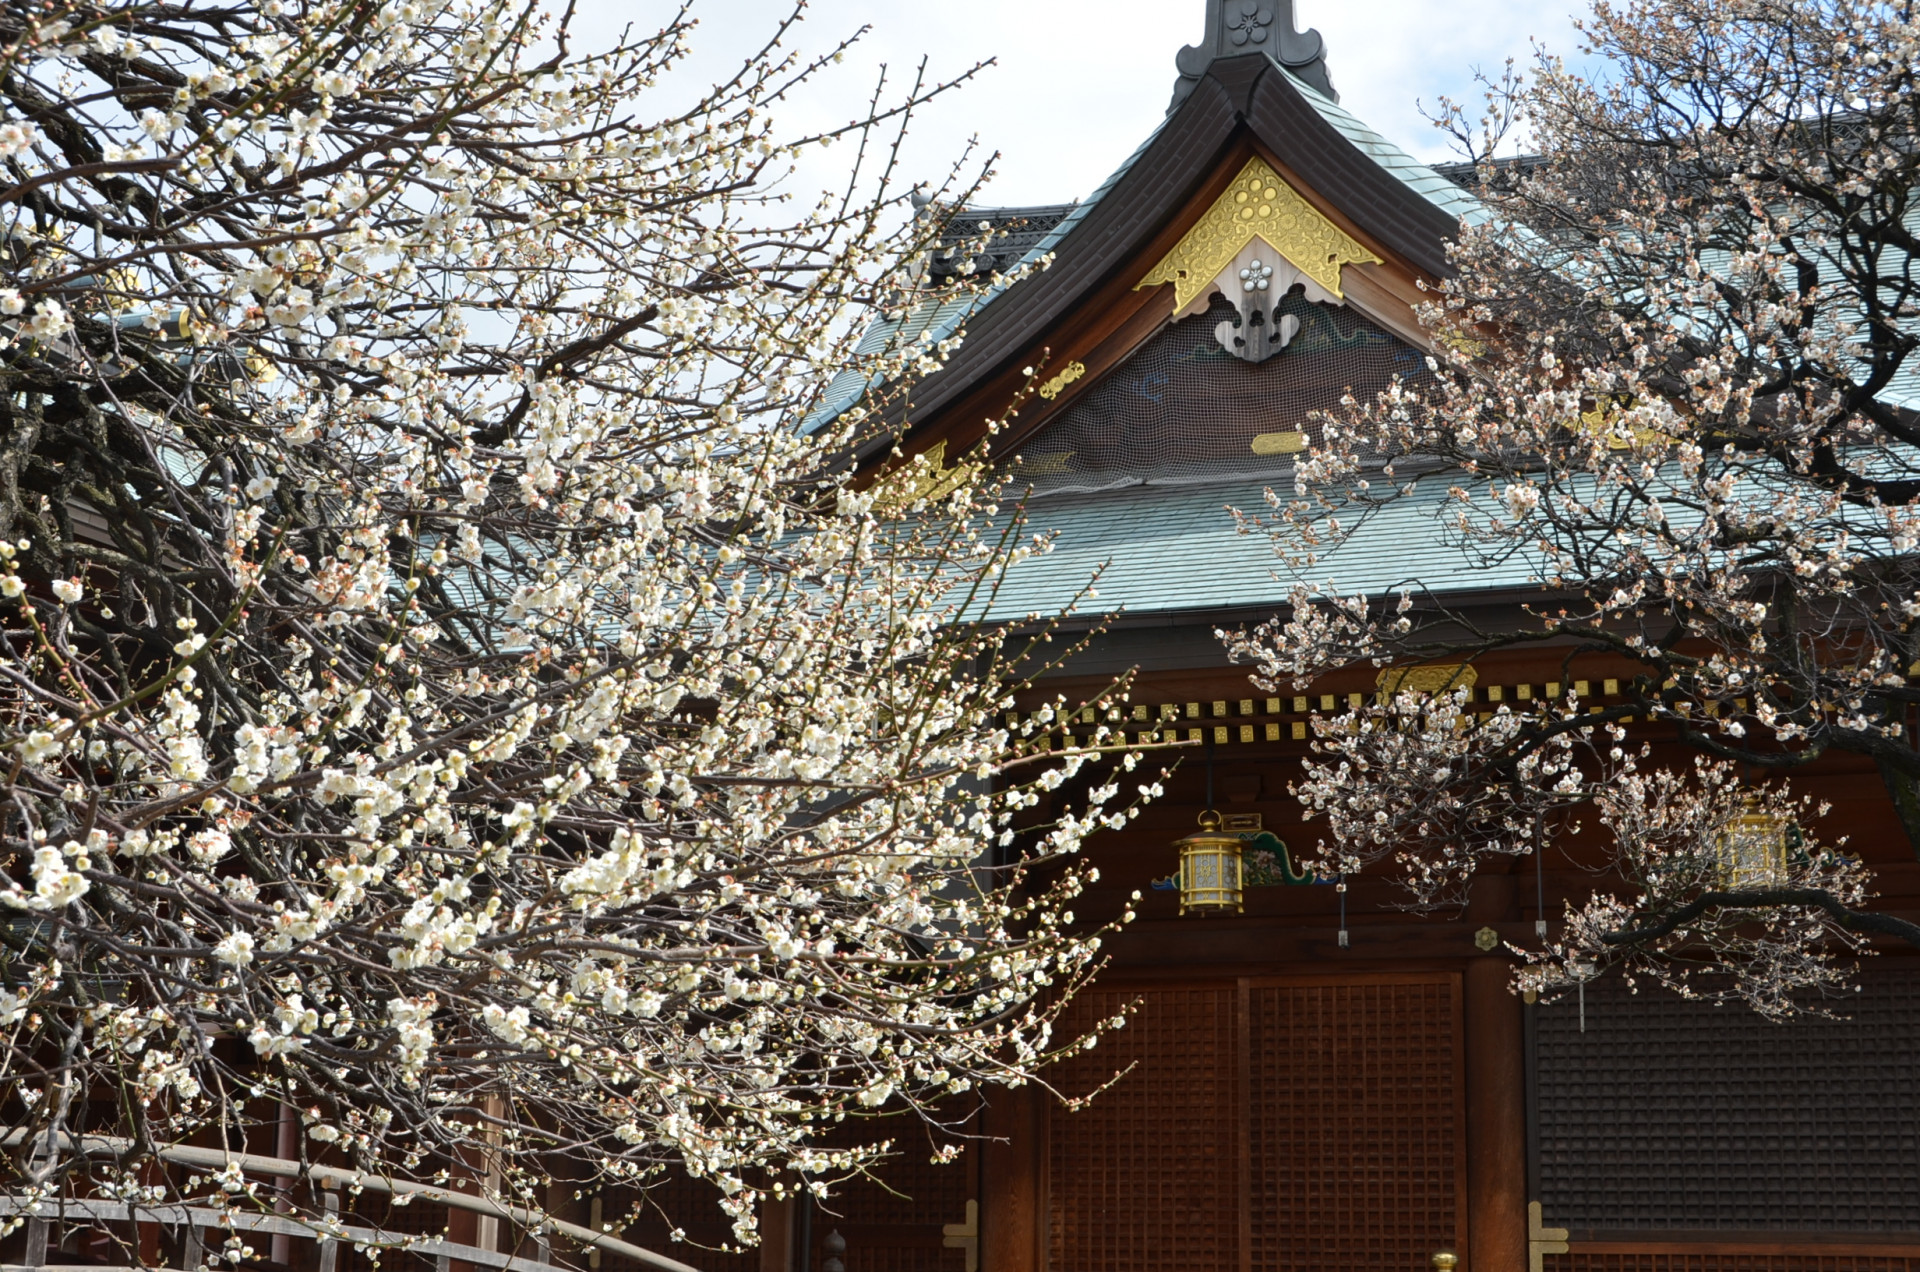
x,y
1672,387
458,705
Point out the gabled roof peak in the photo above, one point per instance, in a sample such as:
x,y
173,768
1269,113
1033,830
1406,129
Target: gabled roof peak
x,y
1238,27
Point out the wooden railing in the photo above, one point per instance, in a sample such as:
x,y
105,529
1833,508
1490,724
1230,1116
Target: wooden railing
x,y
327,1229
198,1220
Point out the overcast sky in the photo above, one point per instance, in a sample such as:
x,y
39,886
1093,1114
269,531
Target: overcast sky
x,y
1079,83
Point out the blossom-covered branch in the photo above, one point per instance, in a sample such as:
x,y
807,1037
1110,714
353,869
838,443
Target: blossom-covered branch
x,y
1669,400
458,706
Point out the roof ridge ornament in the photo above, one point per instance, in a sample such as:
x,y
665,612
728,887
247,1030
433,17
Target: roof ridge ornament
x,y
1236,27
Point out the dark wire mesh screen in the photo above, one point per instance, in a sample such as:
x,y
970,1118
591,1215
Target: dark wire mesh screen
x,y
1669,1114
1183,407
1356,1136
1145,1178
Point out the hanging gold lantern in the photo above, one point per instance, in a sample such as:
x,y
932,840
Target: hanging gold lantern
x,y
1752,850
1209,868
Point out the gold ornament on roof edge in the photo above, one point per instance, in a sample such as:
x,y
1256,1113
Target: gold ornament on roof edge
x,y
1289,442
923,479
1058,384
1257,205
1599,422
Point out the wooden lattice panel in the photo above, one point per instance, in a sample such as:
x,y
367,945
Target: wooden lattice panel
x,y
1145,1178
1355,1124
1667,1114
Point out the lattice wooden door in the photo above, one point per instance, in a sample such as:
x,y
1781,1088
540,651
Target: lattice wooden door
x,y
1264,1127
1357,1154
1143,1179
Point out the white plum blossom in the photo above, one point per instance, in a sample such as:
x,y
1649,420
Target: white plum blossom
x,y
235,949
1663,404
49,320
497,714
16,137
57,881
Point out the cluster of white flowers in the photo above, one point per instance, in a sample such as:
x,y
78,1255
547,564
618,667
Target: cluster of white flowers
x,y
470,686
1666,400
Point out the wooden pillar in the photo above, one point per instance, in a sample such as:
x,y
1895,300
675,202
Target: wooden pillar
x,y
1496,1120
1012,1205
462,1227
776,1234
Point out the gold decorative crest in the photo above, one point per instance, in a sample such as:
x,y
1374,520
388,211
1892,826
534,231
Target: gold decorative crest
x,y
1258,205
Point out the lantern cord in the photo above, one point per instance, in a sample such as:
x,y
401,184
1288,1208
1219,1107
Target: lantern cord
x,y
1343,910
1209,768
1539,880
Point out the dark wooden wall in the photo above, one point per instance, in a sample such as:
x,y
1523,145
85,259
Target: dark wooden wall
x,y
1290,1103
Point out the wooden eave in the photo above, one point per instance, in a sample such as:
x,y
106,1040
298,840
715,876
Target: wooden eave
x,y
1085,308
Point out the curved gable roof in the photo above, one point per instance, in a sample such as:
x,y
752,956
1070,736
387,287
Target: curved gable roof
x,y
1400,203
1428,182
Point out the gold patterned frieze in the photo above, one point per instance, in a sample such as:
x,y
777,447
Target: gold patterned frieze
x,y
923,479
1258,205
1430,678
1058,384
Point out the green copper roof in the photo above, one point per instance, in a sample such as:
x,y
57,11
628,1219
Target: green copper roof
x,y
1170,548
1410,172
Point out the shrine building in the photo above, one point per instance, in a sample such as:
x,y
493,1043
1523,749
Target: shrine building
x,y
1320,1081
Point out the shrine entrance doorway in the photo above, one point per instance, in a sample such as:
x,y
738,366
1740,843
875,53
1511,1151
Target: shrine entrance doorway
x,y
1264,1126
